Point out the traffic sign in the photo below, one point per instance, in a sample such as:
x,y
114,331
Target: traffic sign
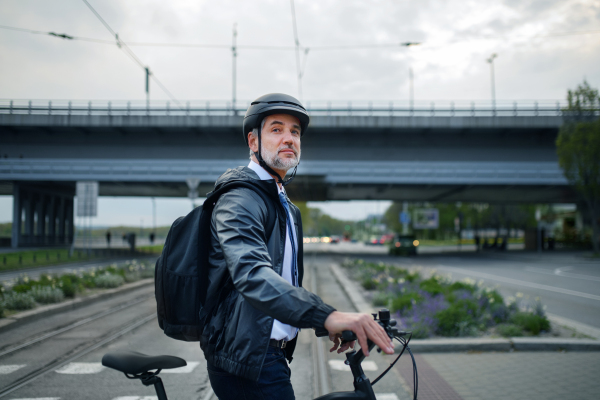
x,y
87,198
405,217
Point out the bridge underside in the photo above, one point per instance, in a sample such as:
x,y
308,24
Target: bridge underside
x,y
315,189
437,159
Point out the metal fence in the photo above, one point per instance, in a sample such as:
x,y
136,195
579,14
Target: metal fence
x,y
315,108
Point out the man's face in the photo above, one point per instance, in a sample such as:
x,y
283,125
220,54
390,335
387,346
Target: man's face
x,y
280,141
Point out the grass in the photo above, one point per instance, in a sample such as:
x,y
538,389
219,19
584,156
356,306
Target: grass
x,y
17,260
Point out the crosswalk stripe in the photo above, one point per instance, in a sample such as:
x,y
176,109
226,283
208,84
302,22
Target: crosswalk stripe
x,y
136,398
191,365
339,365
40,398
386,396
81,368
8,369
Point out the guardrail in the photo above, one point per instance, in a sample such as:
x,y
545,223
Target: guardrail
x,y
320,108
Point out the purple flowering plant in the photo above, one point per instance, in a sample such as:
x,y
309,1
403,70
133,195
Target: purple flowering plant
x,y
436,306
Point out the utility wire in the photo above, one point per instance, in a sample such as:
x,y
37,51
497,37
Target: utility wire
x,y
122,45
298,68
285,48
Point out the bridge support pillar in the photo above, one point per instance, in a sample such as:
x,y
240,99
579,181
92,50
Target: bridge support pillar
x,y
42,214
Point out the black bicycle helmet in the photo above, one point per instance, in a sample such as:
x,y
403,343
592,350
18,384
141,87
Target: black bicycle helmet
x,y
274,103
269,104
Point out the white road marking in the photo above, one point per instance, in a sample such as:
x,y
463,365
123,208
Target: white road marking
x,y
521,283
191,365
8,369
40,398
386,396
561,272
339,365
81,368
136,398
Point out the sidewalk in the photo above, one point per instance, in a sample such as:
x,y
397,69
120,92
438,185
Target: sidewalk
x,y
461,374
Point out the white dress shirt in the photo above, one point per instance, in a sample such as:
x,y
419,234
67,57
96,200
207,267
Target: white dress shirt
x,y
281,330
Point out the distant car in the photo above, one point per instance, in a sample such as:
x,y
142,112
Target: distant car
x,y
335,239
404,245
376,241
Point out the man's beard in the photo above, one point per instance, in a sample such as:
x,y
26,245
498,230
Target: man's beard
x,y
274,161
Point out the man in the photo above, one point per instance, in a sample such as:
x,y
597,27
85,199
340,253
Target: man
x,y
254,328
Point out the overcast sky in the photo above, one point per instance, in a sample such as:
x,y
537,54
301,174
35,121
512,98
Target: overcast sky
x,y
544,47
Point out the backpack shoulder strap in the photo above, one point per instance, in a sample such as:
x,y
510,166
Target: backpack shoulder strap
x,y
214,196
211,200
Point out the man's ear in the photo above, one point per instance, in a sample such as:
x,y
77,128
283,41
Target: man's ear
x,y
253,142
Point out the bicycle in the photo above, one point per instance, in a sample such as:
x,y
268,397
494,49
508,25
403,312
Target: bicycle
x,y
146,368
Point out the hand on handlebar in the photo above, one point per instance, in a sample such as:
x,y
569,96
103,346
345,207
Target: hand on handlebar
x,y
363,326
338,342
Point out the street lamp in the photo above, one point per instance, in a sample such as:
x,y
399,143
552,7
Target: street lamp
x,y
491,62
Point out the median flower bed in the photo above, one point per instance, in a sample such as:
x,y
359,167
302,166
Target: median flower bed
x,y
431,306
25,293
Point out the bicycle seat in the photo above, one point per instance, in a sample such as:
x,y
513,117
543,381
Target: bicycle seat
x,y
132,362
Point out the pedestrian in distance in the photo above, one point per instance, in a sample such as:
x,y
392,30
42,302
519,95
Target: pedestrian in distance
x,y
250,337
108,235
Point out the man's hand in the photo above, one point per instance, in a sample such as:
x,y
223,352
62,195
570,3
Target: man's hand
x,y
363,326
336,343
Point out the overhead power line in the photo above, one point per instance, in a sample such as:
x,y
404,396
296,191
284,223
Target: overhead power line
x,y
283,48
123,46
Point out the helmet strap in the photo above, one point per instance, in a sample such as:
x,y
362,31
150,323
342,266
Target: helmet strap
x,y
267,168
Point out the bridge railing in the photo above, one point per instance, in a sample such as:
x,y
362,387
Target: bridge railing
x,y
315,108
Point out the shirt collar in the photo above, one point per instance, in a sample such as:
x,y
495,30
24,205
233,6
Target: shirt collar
x,y
262,174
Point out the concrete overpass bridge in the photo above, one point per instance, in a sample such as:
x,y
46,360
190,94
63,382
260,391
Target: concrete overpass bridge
x,y
452,153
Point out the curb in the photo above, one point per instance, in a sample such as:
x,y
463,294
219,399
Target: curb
x,y
45,311
456,345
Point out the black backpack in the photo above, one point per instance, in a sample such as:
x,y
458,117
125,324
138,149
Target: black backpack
x,y
181,274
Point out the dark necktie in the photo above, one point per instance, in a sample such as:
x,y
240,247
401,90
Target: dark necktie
x,y
291,232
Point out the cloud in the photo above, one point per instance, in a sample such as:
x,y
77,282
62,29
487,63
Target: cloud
x,y
457,38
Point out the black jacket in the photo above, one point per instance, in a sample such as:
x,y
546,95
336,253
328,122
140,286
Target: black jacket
x,y
237,336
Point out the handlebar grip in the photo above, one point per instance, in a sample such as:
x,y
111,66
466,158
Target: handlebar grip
x,y
320,332
348,336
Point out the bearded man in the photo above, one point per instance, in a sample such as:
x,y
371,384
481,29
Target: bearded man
x,y
251,336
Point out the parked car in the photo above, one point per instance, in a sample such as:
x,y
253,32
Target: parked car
x,y
404,245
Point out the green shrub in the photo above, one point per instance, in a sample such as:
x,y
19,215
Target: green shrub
x,y
531,322
457,319
412,277
462,286
381,299
509,330
494,297
19,301
47,294
132,276
70,284
405,301
107,281
369,283
432,285
22,287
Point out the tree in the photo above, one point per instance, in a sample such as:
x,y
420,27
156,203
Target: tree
x,y
578,149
